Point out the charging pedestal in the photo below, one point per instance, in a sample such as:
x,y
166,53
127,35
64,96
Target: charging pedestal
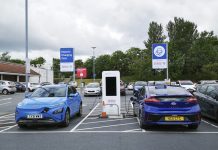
x,y
111,93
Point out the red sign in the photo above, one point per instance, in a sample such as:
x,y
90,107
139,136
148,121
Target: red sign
x,y
81,72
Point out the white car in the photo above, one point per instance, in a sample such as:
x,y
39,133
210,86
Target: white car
x,y
7,87
92,89
130,86
31,86
187,84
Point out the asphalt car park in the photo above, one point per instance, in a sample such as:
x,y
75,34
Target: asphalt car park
x,y
92,132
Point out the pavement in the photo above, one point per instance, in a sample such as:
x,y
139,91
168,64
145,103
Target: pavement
x,y
91,132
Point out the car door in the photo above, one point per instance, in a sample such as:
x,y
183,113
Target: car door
x,y
210,102
71,101
200,94
77,99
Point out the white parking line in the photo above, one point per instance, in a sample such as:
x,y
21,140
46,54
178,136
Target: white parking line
x,y
6,119
5,103
4,116
8,128
132,130
5,99
84,118
106,126
209,123
107,121
143,130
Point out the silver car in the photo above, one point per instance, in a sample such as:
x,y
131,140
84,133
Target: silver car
x,y
7,87
92,89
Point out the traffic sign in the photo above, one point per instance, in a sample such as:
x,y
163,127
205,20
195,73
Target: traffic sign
x,y
159,56
81,72
66,60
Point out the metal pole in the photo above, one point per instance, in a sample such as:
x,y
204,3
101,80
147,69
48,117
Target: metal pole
x,y
26,22
93,63
167,63
74,66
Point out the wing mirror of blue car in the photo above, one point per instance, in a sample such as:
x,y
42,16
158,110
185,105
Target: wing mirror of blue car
x,y
28,95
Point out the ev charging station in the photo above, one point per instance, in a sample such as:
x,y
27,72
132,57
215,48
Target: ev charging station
x,y
111,93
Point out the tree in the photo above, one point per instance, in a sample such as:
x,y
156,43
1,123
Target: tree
x,y
155,35
102,63
78,63
89,65
38,61
5,56
182,35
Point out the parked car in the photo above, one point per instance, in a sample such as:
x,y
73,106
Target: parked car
x,y
45,83
92,89
187,84
130,86
122,88
73,83
31,86
61,83
138,85
20,87
207,82
7,87
207,95
51,104
151,83
166,105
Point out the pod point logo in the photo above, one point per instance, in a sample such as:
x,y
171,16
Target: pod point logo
x,y
159,51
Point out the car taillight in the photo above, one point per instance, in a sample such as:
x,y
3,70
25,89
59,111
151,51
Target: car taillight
x,y
151,100
192,100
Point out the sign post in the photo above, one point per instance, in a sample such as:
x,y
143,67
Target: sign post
x,y
160,56
67,60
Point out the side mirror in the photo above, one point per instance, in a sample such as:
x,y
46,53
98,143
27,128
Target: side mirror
x,y
28,95
132,99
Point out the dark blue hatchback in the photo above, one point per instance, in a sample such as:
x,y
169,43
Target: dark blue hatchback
x,y
166,105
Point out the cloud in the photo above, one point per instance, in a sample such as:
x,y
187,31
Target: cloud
x,y
107,24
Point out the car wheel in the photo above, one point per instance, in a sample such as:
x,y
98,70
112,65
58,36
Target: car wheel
x,y
66,121
193,126
141,122
5,92
21,125
79,114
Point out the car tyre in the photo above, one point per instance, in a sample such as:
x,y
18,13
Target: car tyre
x,y
141,124
21,125
193,126
66,121
5,92
79,114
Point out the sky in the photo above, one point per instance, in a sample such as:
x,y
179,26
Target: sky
x,y
108,25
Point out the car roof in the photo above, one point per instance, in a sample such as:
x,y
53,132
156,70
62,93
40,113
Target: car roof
x,y
168,91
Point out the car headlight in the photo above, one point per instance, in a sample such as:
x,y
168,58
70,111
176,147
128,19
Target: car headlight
x,y
19,104
60,110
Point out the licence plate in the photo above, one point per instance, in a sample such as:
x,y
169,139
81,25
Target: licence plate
x,y
174,118
35,116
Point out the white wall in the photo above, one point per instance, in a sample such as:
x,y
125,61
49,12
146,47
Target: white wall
x,y
46,75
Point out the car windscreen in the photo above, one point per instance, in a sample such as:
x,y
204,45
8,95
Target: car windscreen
x,y
140,83
92,86
186,83
49,92
169,91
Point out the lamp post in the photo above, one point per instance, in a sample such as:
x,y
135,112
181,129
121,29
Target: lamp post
x,y
27,59
93,71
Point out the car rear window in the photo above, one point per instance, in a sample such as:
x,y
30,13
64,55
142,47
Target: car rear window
x,y
169,91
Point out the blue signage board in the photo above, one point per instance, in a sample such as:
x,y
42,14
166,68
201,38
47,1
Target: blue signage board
x,y
66,55
66,59
159,56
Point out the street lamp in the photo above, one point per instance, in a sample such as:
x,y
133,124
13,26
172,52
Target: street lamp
x,y
93,71
27,59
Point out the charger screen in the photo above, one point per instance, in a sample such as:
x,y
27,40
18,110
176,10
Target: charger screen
x,y
111,86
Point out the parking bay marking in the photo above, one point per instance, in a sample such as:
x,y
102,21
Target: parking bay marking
x,y
108,121
5,103
5,99
84,118
107,126
4,116
209,123
8,128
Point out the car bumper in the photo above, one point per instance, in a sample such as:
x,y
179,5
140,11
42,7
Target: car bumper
x,y
92,93
12,90
159,119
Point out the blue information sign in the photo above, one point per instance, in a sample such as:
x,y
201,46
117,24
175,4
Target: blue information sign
x,y
159,56
66,55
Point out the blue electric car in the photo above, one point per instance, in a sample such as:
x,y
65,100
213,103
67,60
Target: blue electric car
x,y
51,104
166,105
